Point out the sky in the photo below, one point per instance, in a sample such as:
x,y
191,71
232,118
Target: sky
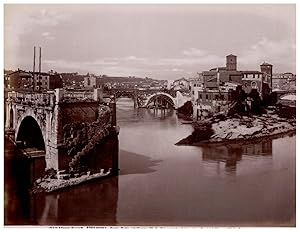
x,y
157,41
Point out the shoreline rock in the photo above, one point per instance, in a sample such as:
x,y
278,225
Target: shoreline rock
x,y
239,129
53,184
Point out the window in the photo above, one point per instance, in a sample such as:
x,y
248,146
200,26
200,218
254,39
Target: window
x,y
206,96
253,84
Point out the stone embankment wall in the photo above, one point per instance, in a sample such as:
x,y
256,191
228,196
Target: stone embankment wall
x,y
86,138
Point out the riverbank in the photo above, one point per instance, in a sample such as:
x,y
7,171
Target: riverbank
x,y
54,183
220,130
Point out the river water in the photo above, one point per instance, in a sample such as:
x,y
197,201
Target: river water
x,y
161,184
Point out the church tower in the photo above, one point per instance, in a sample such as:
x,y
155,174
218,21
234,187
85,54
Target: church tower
x,y
231,63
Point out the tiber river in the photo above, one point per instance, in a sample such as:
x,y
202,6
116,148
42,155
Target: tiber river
x,y
164,184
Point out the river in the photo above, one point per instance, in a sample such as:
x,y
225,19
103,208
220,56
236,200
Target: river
x,y
161,184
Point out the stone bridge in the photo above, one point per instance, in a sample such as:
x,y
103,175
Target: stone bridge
x,y
147,97
66,126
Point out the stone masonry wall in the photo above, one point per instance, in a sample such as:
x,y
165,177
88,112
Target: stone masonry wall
x,y
81,137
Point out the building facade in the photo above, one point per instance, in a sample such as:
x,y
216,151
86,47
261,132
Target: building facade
x,y
23,80
216,89
92,81
284,81
181,84
46,81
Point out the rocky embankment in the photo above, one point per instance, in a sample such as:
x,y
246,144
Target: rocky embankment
x,y
53,182
221,130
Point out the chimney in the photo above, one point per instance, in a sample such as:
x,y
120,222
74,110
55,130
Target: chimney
x,y
33,71
40,61
33,59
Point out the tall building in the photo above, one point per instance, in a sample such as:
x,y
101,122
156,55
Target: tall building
x,y
231,63
46,81
92,81
267,70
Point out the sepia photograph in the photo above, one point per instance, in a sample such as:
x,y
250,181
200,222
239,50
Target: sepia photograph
x,y
149,115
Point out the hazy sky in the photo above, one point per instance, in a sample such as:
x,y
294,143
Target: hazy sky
x,y
158,41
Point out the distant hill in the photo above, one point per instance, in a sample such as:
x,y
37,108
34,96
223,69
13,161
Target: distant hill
x,y
106,79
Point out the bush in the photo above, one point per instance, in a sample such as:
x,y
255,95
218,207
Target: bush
x,y
186,109
202,131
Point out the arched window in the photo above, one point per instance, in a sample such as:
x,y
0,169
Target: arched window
x,y
254,85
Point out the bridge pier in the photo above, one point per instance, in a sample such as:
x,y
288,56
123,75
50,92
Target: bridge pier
x,y
135,103
70,124
52,158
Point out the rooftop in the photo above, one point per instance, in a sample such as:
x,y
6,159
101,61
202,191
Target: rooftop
x,y
265,64
218,69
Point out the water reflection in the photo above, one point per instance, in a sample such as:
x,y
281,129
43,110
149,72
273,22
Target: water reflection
x,y
164,184
93,204
232,154
75,206
127,113
19,174
160,113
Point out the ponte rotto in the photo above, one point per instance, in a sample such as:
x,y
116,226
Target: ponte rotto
x,y
67,126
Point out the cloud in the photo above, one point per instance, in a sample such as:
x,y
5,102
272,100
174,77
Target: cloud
x,y
49,17
47,35
100,62
76,64
131,59
98,66
140,66
22,20
177,70
194,52
282,54
202,61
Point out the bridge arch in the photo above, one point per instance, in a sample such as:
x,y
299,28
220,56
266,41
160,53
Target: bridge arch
x,y
30,132
120,93
165,96
127,94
